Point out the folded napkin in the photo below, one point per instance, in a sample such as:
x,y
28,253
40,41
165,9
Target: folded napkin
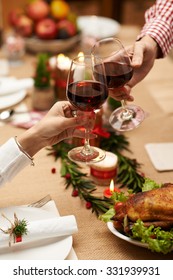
x,y
161,155
9,85
24,119
43,229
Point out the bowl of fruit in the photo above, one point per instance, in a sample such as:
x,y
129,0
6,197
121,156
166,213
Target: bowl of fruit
x,y
47,26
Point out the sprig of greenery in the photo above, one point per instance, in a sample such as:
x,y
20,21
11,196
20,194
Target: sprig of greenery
x,y
21,228
129,175
116,143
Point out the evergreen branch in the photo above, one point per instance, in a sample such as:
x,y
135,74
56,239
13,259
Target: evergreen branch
x,y
21,228
128,172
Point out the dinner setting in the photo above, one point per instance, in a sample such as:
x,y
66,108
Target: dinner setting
x,y
86,121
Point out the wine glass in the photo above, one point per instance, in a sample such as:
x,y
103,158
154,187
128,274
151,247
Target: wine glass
x,y
87,93
119,71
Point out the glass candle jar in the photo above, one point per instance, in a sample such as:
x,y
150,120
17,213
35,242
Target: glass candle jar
x,y
104,171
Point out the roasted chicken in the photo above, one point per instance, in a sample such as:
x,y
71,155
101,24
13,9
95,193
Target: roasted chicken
x,y
154,207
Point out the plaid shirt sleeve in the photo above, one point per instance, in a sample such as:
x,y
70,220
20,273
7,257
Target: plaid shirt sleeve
x,y
159,24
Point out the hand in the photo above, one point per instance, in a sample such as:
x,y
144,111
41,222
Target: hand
x,y
58,124
144,53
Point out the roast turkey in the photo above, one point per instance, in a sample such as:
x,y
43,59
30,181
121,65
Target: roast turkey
x,y
152,207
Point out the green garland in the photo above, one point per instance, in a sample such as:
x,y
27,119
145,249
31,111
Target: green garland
x,y
82,186
128,169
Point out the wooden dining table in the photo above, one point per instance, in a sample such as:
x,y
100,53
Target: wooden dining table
x,y
94,241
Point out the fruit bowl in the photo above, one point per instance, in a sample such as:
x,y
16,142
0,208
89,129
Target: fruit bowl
x,y
35,45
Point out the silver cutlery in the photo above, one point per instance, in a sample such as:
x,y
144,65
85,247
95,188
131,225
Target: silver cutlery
x,y
41,202
7,114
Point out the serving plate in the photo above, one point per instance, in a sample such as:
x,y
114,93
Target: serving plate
x,y
35,45
98,27
124,237
54,248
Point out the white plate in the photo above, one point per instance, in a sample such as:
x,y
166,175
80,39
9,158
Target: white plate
x,y
124,237
99,27
12,99
10,85
6,81
161,155
54,248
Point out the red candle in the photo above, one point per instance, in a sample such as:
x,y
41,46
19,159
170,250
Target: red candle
x,y
109,191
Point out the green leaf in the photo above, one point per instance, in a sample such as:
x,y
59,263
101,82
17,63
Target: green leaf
x,y
106,217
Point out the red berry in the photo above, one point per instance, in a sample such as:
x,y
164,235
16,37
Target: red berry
x,y
53,170
68,176
75,192
88,204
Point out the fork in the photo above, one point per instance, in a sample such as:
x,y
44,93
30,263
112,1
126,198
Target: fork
x,y
39,203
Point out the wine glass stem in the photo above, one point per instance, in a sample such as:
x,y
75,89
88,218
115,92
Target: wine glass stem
x,y
126,113
123,104
87,148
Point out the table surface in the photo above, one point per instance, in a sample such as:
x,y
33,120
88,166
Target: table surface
x,y
94,241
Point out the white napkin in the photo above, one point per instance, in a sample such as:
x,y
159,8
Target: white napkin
x,y
9,85
44,229
161,155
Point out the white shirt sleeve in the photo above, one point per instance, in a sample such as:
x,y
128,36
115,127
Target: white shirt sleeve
x,y
12,161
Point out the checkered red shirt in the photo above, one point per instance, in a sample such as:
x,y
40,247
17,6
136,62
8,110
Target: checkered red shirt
x,y
159,24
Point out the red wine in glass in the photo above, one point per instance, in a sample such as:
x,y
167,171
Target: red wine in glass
x,y
87,95
117,74
117,63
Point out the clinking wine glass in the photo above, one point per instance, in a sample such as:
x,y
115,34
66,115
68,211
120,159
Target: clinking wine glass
x,y
119,71
86,92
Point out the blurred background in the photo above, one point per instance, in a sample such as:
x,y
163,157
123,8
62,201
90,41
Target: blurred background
x,y
124,11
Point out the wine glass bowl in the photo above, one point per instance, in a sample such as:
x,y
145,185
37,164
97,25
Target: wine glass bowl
x,y
86,92
119,72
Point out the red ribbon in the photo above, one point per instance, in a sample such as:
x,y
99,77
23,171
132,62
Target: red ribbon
x,y
102,174
60,83
101,132
18,239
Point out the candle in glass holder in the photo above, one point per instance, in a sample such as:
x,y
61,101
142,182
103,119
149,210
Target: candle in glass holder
x,y
60,70
104,171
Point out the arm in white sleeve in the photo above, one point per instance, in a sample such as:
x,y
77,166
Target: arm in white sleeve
x,y
12,161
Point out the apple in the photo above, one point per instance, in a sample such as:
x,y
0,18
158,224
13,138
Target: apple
x,y
66,29
46,29
37,10
24,26
14,16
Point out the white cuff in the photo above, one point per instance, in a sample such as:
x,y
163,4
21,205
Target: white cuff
x,y
12,161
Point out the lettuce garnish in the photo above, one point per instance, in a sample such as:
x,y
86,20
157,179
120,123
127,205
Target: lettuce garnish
x,y
149,185
158,240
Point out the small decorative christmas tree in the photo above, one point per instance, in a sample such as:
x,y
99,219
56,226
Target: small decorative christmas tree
x,y
42,77
43,95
